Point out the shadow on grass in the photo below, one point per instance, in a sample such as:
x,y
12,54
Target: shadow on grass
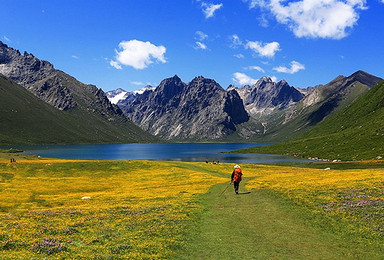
x,y
244,193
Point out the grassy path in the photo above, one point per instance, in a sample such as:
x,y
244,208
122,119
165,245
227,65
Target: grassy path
x,y
261,225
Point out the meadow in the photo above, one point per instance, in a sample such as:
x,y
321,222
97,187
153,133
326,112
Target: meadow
x,y
60,209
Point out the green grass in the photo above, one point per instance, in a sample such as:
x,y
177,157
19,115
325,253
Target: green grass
x,y
266,225
166,210
25,119
355,133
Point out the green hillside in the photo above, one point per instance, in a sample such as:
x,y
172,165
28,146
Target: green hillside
x,y
321,103
355,133
25,119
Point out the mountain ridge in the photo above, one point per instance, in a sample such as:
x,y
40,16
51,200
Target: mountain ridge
x,y
87,104
198,110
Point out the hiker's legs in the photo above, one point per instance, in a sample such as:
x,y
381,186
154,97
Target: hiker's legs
x,y
236,186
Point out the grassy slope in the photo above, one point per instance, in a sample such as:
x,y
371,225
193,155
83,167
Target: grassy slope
x,y
25,119
352,134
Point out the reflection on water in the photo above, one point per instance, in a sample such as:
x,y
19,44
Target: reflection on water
x,y
189,152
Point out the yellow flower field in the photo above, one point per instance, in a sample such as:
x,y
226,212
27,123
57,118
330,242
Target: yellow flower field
x,y
90,209
51,208
355,195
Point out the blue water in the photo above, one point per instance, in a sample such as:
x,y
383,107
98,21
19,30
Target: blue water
x,y
190,152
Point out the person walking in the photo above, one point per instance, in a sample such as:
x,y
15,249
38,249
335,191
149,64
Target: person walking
x,y
236,177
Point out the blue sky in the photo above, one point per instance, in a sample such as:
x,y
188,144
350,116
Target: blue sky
x,y
132,43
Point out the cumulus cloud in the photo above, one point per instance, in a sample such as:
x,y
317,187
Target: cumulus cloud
x,y
264,49
243,79
200,46
295,67
315,18
258,68
210,9
138,54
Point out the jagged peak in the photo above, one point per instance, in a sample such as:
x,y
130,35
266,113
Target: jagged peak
x,y
202,79
283,82
266,79
231,87
175,78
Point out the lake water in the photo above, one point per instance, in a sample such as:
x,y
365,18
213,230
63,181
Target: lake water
x,y
190,152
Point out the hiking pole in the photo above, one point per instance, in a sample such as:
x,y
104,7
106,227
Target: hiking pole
x,y
225,188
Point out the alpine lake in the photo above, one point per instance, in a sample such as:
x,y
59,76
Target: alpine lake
x,y
188,152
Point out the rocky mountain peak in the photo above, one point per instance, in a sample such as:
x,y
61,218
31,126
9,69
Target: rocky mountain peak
x,y
199,110
266,95
365,78
264,79
168,88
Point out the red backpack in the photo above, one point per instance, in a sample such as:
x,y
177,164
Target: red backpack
x,y
237,175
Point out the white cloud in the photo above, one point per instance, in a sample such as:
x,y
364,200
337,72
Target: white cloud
x,y
318,18
264,49
75,57
258,68
137,83
255,3
243,79
295,67
115,64
200,36
210,9
235,41
239,56
200,46
138,54
274,78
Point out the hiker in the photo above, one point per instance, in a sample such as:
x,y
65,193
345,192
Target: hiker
x,y
236,177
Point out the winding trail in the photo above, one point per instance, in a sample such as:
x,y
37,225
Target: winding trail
x,y
263,225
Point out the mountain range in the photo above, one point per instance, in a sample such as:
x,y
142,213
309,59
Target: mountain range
x,y
266,111
68,111
354,133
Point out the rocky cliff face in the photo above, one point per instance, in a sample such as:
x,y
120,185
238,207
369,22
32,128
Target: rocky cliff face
x,y
38,76
199,110
266,96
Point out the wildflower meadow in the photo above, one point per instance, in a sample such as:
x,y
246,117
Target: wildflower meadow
x,y
60,209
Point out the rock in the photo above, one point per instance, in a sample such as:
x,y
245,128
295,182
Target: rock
x,y
266,96
199,110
